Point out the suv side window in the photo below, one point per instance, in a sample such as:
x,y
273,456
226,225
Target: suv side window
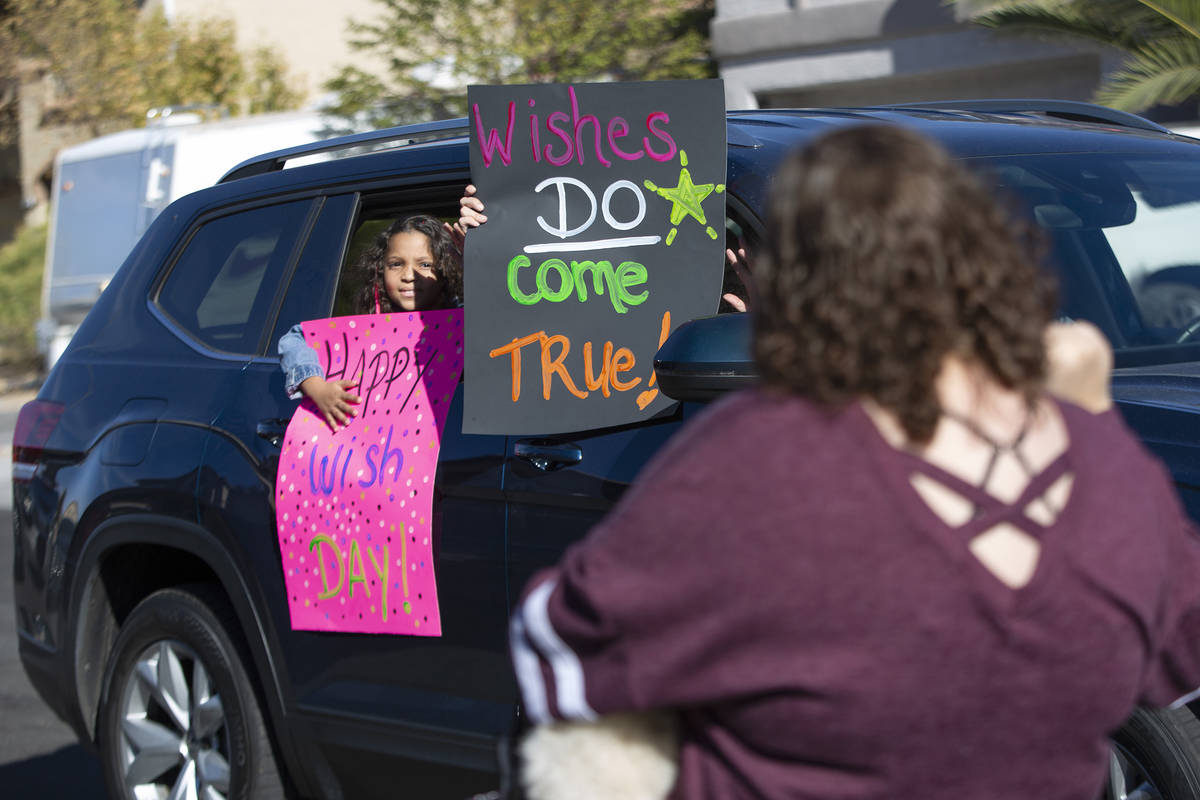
x,y
222,288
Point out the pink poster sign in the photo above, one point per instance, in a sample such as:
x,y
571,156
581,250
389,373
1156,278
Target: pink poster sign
x,y
354,508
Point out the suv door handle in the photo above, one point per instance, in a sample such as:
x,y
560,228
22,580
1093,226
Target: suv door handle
x,y
272,430
548,455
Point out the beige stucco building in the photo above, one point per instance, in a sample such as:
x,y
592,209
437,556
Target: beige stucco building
x,y
775,53
310,34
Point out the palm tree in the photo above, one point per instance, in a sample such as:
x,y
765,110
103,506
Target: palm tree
x,y
1160,40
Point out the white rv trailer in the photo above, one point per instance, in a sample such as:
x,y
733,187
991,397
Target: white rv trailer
x,y
107,191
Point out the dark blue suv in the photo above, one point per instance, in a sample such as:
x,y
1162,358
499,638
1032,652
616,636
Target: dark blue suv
x,y
149,593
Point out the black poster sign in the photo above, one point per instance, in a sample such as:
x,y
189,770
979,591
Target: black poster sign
x,y
606,230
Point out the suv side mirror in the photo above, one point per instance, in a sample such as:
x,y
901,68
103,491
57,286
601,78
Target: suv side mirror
x,y
705,358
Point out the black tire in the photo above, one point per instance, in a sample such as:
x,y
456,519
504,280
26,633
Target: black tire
x,y
1158,754
175,649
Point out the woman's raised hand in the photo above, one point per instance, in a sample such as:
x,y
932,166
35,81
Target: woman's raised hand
x,y
1079,364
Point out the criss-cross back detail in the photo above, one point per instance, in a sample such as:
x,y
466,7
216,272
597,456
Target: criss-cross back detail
x,y
990,509
1003,535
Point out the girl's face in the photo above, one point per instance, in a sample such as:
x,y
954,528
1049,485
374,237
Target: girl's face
x,y
408,272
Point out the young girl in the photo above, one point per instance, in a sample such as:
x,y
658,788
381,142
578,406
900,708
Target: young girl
x,y
413,265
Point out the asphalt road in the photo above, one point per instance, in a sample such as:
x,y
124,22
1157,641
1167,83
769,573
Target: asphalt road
x,y
40,758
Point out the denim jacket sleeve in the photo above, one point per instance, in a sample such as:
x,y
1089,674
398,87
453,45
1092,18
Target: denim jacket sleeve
x,y
298,361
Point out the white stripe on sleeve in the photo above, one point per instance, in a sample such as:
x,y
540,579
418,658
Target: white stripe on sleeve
x,y
529,673
1187,698
534,618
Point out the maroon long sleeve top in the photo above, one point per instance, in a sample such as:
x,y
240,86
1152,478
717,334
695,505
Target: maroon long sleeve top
x,y
775,579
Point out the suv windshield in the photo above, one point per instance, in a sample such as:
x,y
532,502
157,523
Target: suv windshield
x,y
1121,231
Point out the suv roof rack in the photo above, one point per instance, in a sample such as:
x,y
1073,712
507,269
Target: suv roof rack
x,y
1065,109
400,136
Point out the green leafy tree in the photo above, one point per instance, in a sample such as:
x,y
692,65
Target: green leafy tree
x,y
432,51
112,62
9,81
20,293
1160,40
268,85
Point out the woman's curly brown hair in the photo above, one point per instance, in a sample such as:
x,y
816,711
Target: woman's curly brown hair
x,y
884,256
447,263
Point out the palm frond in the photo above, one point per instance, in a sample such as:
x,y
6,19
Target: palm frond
x,y
977,7
1166,72
1184,14
1161,40
1073,21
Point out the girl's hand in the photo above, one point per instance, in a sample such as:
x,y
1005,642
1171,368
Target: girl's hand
x,y
740,264
470,210
331,399
1079,364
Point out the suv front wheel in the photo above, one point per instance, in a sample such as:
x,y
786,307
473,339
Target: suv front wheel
x,y
179,716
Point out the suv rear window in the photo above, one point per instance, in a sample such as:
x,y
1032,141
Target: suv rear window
x,y
223,286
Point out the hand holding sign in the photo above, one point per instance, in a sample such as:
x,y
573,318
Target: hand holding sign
x,y
742,297
333,399
470,209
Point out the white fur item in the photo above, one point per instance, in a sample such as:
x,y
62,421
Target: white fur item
x,y
631,756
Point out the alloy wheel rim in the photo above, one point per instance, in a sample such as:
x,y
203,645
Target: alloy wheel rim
x,y
1127,779
173,739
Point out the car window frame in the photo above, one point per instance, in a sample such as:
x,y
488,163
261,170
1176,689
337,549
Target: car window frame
x,y
343,223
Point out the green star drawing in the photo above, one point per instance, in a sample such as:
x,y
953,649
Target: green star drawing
x,y
687,199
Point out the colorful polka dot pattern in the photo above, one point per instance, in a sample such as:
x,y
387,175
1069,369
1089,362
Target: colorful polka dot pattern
x,y
354,509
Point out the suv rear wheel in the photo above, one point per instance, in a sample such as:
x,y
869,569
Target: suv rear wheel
x,y
1155,756
179,716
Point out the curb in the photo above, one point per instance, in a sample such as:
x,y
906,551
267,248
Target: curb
x,y
24,381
